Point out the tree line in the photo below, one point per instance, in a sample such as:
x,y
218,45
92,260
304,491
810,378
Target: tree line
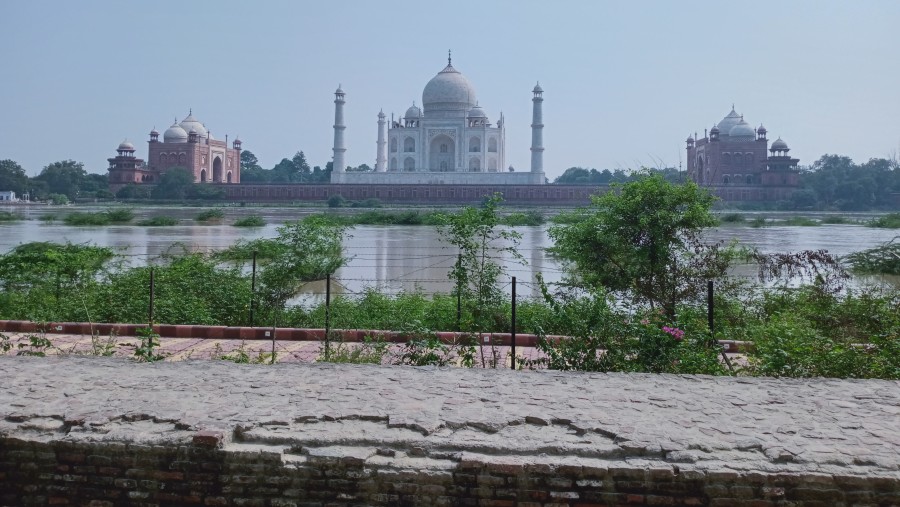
x,y
833,182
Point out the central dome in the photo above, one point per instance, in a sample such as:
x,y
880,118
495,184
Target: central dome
x,y
449,91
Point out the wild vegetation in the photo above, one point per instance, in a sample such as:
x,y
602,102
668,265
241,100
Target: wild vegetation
x,y
633,299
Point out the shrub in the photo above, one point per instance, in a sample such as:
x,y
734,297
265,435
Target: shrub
x,y
250,221
889,221
210,215
8,216
159,221
733,218
337,201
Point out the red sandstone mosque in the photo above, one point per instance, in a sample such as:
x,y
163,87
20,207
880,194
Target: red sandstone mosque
x,y
731,161
188,144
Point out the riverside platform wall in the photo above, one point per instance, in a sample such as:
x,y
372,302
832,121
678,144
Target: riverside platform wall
x,y
103,432
565,195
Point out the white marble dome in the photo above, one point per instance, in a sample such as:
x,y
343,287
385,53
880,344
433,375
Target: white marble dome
x,y
742,130
728,123
191,123
413,112
448,91
175,134
126,146
477,112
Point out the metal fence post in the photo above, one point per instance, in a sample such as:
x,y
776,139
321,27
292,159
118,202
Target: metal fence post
x,y
512,340
327,312
253,290
152,284
709,311
458,295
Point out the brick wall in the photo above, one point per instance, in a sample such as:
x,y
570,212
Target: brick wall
x,y
201,472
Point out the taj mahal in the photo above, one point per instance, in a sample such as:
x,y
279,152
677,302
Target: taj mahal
x,y
449,140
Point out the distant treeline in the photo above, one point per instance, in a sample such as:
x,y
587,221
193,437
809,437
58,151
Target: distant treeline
x,y
833,182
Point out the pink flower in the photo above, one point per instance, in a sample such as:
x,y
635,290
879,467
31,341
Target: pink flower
x,y
676,333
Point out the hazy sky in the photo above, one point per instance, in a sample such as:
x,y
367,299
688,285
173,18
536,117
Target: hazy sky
x,y
624,82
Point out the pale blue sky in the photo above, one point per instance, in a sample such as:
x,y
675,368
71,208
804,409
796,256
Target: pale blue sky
x,y
625,82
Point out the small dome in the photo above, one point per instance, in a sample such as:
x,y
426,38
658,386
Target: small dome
x,y
448,91
729,121
761,129
126,146
413,112
477,112
779,145
338,91
175,134
191,123
690,139
154,132
715,130
538,89
742,130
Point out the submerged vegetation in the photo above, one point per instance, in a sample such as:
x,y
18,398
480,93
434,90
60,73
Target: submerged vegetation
x,y
634,296
110,216
8,216
160,221
250,221
889,221
210,216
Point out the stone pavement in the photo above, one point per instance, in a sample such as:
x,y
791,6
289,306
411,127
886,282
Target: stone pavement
x,y
428,415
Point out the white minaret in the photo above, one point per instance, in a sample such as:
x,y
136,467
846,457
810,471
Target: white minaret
x,y
537,131
381,153
339,166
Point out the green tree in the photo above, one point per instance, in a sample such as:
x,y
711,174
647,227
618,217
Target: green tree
x,y
13,177
477,234
133,191
306,250
249,161
643,240
64,177
175,183
303,170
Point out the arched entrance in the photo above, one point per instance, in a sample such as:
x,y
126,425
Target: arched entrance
x,y
217,170
228,177
442,153
409,164
203,176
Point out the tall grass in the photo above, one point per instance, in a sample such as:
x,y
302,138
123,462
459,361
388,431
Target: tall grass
x,y
210,215
8,216
889,221
161,221
250,221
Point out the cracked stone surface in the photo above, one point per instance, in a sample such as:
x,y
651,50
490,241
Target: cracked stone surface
x,y
378,413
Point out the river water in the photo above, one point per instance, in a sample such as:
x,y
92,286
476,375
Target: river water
x,y
392,258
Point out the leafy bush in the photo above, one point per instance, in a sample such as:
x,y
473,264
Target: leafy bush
x,y
250,221
159,221
733,218
110,216
336,201
58,199
836,220
889,221
8,216
880,260
801,222
759,222
210,215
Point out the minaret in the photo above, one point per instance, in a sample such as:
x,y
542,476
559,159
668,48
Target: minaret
x,y
339,166
381,153
537,132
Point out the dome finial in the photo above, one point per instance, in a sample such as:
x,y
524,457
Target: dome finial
x,y
190,111
449,59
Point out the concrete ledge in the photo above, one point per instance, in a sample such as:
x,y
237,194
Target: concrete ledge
x,y
89,431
